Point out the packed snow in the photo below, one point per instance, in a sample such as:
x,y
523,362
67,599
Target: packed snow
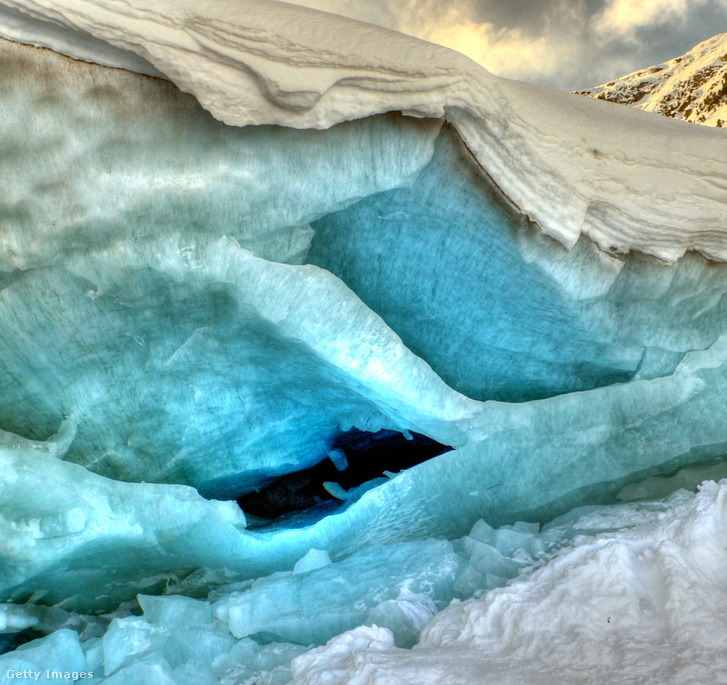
x,y
571,165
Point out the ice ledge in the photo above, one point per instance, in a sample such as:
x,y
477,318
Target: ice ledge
x,y
626,179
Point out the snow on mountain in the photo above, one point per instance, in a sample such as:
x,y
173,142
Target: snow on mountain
x,y
692,87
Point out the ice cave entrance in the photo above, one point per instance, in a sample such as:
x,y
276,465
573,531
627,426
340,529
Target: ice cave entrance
x,y
357,461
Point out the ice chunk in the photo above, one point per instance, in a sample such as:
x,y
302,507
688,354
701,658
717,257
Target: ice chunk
x,y
15,618
314,559
495,556
195,672
488,559
335,490
56,658
93,649
177,612
130,639
404,616
338,457
310,608
152,670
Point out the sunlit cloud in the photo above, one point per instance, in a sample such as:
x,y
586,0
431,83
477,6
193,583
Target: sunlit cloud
x,y
504,51
624,16
565,44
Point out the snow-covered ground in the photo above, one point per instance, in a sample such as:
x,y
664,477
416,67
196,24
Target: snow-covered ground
x,y
638,596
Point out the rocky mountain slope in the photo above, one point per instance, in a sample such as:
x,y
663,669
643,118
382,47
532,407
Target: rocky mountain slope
x,y
692,87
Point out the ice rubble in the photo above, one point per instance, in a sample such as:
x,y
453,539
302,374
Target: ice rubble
x,y
637,597
610,593
399,585
181,314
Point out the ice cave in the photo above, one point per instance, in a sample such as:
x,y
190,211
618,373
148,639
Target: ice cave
x,y
328,357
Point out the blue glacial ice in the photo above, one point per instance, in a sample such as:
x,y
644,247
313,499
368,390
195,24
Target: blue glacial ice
x,y
182,337
193,314
115,239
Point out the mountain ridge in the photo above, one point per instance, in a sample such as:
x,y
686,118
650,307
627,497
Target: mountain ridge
x,y
691,87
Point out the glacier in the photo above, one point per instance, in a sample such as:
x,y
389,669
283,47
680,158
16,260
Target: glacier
x,y
325,354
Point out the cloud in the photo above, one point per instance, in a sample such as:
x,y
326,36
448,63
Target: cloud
x,y
564,44
624,16
508,51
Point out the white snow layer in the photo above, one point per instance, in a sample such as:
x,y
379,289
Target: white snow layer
x,y
645,604
573,165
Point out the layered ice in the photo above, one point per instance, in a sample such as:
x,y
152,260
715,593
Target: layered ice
x,y
222,363
124,230
192,310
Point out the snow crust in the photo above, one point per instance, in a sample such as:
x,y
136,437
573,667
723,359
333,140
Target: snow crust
x,y
18,26
574,166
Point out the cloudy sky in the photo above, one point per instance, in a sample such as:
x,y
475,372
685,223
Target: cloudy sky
x,y
566,44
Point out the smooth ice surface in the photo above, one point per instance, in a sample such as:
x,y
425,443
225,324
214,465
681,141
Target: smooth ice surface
x,y
439,262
